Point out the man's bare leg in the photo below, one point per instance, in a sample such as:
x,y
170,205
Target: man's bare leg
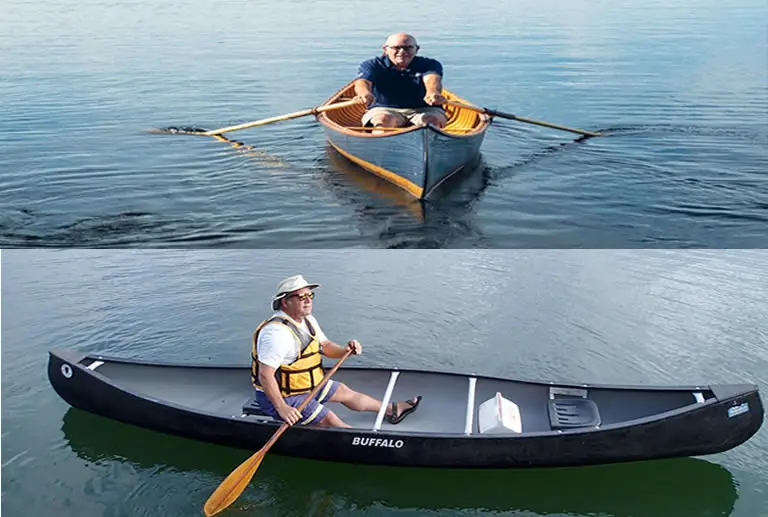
x,y
387,120
429,118
331,419
357,401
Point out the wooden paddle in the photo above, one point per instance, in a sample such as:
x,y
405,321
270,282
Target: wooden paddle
x,y
510,116
234,484
296,114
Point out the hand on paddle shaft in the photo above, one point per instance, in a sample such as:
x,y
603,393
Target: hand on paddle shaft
x,y
290,414
435,99
234,484
365,98
355,347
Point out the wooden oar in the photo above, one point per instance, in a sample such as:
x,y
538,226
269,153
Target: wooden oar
x,y
510,116
296,114
234,484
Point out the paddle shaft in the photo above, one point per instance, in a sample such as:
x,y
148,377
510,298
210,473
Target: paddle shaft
x,y
238,480
510,116
296,114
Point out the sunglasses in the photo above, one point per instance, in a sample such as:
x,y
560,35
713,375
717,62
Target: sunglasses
x,y
303,297
407,48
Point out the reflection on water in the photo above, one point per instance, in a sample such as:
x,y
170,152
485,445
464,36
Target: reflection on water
x,y
679,92
447,215
343,177
683,487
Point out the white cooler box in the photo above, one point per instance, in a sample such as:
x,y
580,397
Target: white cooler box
x,y
499,415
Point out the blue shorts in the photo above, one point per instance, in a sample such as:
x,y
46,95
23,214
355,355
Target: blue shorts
x,y
311,414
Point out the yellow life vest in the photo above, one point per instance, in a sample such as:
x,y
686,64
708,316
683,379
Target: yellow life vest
x,y
302,375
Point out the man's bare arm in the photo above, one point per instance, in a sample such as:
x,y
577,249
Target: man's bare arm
x,y
364,91
336,351
434,86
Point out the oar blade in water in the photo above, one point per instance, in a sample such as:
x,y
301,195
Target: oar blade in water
x,y
177,130
234,484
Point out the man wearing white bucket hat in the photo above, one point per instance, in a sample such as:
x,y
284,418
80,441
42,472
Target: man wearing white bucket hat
x,y
287,352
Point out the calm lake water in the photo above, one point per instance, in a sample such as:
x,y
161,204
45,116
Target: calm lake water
x,y
680,91
629,317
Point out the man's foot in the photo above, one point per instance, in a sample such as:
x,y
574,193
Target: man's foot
x,y
398,411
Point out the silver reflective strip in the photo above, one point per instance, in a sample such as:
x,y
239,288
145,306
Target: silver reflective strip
x,y
470,406
95,365
385,401
568,392
698,396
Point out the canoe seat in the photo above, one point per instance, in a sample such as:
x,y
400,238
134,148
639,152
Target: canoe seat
x,y
567,413
251,407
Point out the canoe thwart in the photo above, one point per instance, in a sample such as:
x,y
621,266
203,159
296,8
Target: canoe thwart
x,y
385,400
468,423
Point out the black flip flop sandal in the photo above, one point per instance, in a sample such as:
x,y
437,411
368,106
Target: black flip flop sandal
x,y
399,418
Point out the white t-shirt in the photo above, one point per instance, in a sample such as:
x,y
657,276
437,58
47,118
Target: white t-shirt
x,y
277,345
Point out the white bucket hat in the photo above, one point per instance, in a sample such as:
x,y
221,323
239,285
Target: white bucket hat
x,y
288,285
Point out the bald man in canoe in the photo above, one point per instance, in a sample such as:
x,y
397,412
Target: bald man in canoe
x,y
287,364
400,88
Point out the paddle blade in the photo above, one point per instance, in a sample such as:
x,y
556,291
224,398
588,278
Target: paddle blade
x,y
177,130
233,485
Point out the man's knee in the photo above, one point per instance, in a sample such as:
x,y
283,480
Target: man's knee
x,y
429,118
331,420
342,393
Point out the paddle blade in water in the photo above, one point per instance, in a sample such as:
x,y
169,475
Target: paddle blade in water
x,y
233,485
177,130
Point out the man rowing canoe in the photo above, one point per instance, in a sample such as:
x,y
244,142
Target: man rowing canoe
x,y
287,363
401,88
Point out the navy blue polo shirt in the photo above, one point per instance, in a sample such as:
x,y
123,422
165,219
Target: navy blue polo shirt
x,y
395,88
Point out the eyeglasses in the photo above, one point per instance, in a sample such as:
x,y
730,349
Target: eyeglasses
x,y
407,48
303,297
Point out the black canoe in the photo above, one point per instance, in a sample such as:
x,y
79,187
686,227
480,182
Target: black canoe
x,y
562,424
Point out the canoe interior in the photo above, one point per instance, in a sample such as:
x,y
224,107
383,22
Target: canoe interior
x,y
223,391
348,120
